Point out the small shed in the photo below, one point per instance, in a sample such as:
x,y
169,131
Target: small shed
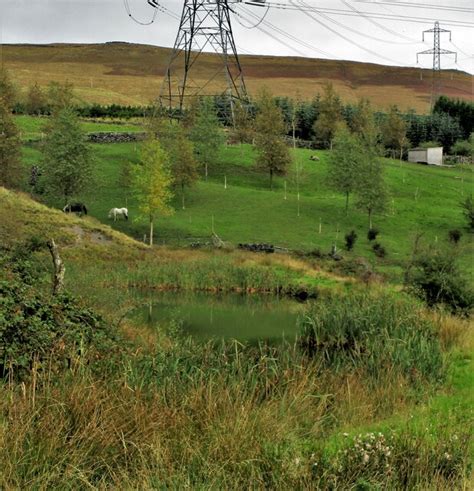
x,y
431,156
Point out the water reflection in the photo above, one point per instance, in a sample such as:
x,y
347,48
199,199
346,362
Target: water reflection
x,y
247,318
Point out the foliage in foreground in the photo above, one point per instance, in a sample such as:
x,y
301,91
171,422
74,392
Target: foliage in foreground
x,y
434,276
37,329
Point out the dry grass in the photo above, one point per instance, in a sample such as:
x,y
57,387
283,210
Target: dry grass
x,y
132,74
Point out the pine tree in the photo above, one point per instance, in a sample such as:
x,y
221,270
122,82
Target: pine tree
x,y
10,165
344,163
272,152
152,183
67,159
330,116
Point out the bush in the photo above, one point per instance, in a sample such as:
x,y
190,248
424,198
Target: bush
x,y
351,238
434,276
379,250
36,328
372,234
468,211
463,147
454,235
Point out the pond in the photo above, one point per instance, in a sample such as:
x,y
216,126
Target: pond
x,y
248,318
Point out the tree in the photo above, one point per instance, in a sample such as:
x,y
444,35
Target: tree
x,y
183,165
152,183
344,163
468,211
67,159
243,130
7,89
10,165
60,96
35,100
394,131
272,152
205,132
330,116
371,191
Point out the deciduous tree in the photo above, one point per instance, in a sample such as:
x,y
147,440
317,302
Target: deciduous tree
x,y
330,116
10,165
371,191
206,133
67,159
344,163
394,131
152,183
35,100
272,152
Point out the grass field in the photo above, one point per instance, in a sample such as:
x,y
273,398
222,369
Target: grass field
x,y
163,411
132,74
423,200
31,128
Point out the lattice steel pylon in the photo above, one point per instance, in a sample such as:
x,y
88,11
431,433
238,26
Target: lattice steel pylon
x,y
436,52
204,24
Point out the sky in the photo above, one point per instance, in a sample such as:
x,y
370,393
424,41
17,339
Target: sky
x,y
321,32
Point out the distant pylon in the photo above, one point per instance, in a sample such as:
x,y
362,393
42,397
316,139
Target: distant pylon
x,y
436,52
204,24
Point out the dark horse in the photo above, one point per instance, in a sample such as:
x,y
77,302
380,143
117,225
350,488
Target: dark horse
x,y
79,208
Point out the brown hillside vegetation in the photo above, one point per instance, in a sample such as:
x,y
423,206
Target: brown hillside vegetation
x,y
126,73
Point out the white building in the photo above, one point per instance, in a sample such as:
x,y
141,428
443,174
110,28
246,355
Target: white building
x,y
432,156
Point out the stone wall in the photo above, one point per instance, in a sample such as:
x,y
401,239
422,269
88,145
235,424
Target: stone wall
x,y
108,137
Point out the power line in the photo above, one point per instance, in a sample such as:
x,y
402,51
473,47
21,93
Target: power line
x,y
390,17
360,46
428,6
379,25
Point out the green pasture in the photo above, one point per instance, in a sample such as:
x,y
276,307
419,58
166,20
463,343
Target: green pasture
x,y
31,127
423,200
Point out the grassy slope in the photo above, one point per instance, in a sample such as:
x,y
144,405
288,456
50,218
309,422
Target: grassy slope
x,y
247,211
132,74
279,430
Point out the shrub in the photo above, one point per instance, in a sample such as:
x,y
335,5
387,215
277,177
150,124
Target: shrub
x,y
36,328
379,250
468,211
372,234
351,238
435,277
375,333
454,235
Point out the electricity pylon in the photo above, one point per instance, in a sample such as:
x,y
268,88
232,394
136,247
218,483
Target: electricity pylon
x,y
204,24
436,52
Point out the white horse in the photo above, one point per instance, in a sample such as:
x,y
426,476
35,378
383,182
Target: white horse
x,y
118,212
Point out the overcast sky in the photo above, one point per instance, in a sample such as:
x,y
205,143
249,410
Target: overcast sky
x,y
384,41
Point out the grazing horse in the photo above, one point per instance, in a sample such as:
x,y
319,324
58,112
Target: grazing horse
x,y
118,212
79,208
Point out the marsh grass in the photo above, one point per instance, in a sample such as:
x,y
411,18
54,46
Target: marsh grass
x,y
173,413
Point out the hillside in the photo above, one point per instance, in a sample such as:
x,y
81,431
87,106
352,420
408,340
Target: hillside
x,y
132,74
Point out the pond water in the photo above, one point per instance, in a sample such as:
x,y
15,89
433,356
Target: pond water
x,y
248,318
